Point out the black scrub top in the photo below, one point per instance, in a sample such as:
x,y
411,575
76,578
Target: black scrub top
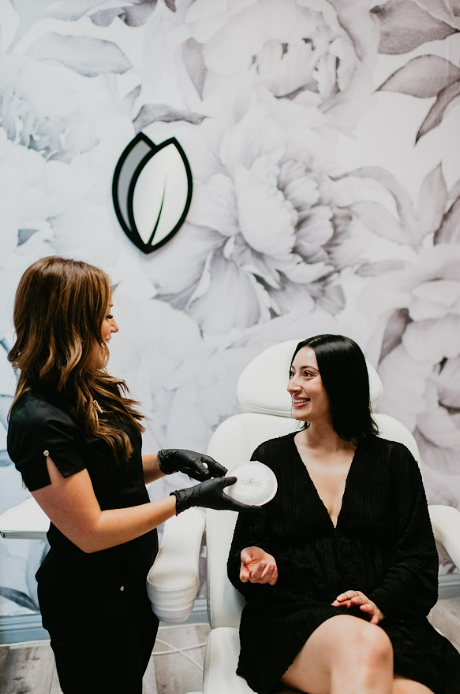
x,y
74,586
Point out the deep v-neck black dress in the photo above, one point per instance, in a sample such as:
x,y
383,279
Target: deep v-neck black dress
x,y
382,545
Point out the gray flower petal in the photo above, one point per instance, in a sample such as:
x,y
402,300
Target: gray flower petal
x,y
449,231
403,200
445,11
192,53
84,54
448,380
5,460
5,404
431,203
424,77
232,299
446,99
404,26
382,267
380,221
104,18
332,298
19,598
454,192
151,113
132,15
394,331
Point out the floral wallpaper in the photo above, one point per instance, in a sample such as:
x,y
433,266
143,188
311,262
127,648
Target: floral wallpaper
x,y
323,140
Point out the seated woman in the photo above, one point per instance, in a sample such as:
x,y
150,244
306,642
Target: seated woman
x,y
340,569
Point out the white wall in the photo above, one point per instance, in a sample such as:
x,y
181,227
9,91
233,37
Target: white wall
x,y
314,208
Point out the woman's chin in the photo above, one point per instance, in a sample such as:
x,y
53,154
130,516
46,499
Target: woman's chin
x,y
300,416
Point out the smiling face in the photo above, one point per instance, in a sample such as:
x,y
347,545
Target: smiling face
x,y
108,327
310,402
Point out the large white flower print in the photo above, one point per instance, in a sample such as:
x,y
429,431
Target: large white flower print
x,y
420,352
269,227
310,49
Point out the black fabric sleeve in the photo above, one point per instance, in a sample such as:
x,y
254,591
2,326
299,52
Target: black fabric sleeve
x,y
37,429
410,588
252,530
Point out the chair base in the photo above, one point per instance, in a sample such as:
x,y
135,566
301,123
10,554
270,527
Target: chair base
x,y
220,663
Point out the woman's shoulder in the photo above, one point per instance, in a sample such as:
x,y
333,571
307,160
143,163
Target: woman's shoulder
x,y
389,445
34,409
397,454
275,447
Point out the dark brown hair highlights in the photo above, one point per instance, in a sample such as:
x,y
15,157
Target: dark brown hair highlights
x,y
59,308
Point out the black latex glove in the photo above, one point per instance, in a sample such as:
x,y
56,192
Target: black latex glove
x,y
191,463
209,494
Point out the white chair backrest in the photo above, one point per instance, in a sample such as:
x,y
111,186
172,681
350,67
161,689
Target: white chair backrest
x,y
262,395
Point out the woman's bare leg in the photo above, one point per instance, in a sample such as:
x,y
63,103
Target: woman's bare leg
x,y
401,685
344,655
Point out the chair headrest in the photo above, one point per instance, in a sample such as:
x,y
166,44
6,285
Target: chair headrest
x,y
262,384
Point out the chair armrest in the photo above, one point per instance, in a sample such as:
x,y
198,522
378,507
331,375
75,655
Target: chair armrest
x,y
26,521
446,529
174,580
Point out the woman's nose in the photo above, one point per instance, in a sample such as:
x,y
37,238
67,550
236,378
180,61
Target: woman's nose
x,y
292,386
113,326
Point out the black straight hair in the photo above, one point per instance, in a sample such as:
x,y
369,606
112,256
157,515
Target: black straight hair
x,y
343,370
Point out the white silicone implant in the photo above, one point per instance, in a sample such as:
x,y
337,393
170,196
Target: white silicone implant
x,y
256,484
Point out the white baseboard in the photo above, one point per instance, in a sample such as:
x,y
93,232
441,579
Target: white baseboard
x,y
449,586
28,627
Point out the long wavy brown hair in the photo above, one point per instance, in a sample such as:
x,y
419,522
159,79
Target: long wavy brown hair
x,y
59,308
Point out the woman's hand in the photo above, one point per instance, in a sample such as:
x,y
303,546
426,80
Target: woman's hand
x,y
210,494
198,466
355,597
258,566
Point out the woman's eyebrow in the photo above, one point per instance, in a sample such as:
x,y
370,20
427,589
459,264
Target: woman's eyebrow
x,y
313,368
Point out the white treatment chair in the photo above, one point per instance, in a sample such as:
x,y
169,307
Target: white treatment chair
x,y
173,580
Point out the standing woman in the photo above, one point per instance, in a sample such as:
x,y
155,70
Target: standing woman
x,y
75,437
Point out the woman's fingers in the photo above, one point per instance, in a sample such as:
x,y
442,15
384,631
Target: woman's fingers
x,y
356,597
246,558
371,609
346,596
257,566
268,573
263,573
344,599
274,577
359,600
257,571
244,573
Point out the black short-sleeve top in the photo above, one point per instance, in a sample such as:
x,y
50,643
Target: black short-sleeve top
x,y
40,426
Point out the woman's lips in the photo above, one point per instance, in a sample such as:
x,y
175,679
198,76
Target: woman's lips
x,y
297,404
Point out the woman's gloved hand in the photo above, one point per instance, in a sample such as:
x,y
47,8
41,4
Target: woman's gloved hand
x,y
198,466
209,494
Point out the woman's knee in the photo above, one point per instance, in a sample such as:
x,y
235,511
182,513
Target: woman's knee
x,y
401,685
366,644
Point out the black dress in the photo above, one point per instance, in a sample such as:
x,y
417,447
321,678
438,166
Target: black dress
x,y
94,605
382,545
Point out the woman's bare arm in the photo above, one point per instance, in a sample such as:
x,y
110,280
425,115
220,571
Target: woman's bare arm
x,y
151,467
71,505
